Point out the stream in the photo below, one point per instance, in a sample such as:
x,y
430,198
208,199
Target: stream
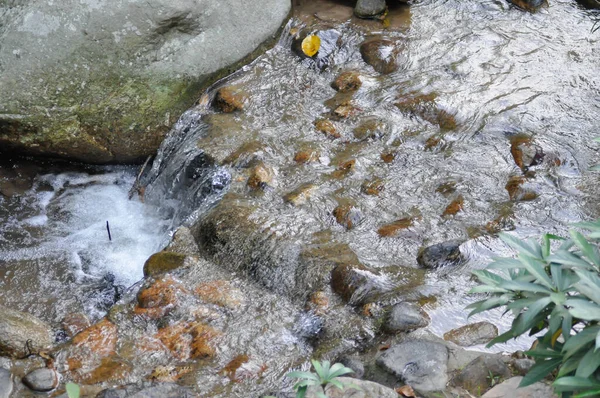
x,y
504,76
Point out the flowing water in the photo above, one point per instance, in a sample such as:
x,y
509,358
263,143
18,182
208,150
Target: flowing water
x,y
502,73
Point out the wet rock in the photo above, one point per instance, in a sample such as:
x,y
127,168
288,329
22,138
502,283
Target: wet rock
x,y
381,54
529,5
421,364
189,340
221,293
357,285
482,373
367,389
441,255
89,347
355,364
591,4
306,156
346,109
370,129
425,107
472,334
153,67
524,152
261,176
523,365
309,326
247,155
344,169
454,207
326,127
74,323
162,262
183,242
300,195
373,187
405,317
393,228
6,384
510,388
43,380
156,300
230,99
318,303
347,82
154,390
518,192
347,215
388,157
22,334
369,8
446,188
111,369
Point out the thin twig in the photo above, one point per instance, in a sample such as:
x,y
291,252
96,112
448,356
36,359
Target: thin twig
x,y
136,184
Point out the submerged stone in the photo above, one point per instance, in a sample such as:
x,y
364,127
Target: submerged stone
x,y
529,5
357,285
347,215
405,317
381,54
525,153
392,229
326,127
230,99
347,82
441,255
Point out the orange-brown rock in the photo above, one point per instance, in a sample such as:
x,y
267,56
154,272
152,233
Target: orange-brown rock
x,y
229,99
220,293
347,81
347,215
370,129
169,374
111,369
89,347
454,207
344,168
74,323
355,283
326,127
381,54
393,228
160,297
446,188
300,195
318,302
346,109
524,152
261,176
517,192
306,156
246,155
189,340
99,339
372,187
232,366
388,157
432,143
424,106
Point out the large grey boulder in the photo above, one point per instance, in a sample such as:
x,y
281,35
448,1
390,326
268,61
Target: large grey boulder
x,y
421,364
103,80
510,388
22,334
6,383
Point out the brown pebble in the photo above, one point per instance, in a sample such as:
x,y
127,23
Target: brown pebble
x,y
373,187
454,207
306,156
344,169
229,99
393,228
261,176
388,157
326,127
347,81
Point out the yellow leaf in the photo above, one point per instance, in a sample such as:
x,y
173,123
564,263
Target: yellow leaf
x,y
310,45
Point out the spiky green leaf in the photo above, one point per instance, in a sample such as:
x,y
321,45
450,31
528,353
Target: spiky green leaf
x,y
539,371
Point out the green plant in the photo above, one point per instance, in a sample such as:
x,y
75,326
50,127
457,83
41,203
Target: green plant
x,y
73,390
326,374
556,294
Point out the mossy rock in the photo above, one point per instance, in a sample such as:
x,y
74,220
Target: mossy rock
x,y
162,262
